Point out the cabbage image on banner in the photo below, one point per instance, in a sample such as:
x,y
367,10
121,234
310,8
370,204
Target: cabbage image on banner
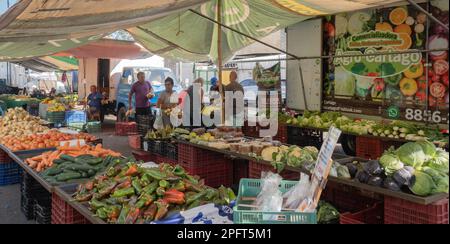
x,y
344,83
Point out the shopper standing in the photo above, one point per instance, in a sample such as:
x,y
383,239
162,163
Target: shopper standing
x,y
164,102
143,91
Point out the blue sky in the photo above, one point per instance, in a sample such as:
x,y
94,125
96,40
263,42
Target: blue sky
x,y
4,4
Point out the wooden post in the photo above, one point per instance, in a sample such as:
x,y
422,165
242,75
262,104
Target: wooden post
x,y
219,56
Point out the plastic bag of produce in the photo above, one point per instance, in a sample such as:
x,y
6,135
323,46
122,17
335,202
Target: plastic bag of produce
x,y
270,198
158,125
295,196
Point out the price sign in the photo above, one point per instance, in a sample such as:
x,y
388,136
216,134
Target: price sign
x,y
73,143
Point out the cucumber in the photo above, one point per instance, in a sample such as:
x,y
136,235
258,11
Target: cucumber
x,y
84,175
94,161
79,167
68,176
67,158
91,172
59,161
53,171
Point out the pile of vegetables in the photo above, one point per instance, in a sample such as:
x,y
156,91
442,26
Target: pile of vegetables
x,y
394,129
38,141
17,122
134,194
417,167
163,134
292,156
327,213
67,153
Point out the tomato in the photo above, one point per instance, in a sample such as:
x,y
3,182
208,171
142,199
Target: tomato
x,y
445,79
437,90
433,77
422,82
421,95
440,67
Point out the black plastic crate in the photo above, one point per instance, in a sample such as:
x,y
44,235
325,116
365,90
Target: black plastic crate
x,y
156,147
143,129
171,150
43,219
304,137
27,207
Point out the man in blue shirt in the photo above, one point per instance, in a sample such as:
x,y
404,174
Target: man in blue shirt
x,y
94,100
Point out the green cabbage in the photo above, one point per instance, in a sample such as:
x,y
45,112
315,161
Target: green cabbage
x,y
440,161
391,163
428,148
440,179
411,154
423,184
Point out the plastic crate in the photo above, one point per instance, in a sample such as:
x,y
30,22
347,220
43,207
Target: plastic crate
x,y
282,134
143,156
4,158
240,170
255,169
9,173
63,213
304,136
126,128
77,126
399,211
75,116
211,166
348,199
93,127
43,211
156,147
56,117
250,188
171,151
373,148
372,215
161,159
134,141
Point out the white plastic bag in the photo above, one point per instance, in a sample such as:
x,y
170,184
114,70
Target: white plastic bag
x,y
298,193
159,124
270,198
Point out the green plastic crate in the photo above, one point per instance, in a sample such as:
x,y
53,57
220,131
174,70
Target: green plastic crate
x,y
244,215
77,126
94,127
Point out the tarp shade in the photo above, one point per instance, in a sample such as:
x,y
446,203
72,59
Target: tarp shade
x,y
36,28
183,35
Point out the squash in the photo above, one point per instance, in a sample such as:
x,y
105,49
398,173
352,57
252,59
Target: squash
x,y
267,154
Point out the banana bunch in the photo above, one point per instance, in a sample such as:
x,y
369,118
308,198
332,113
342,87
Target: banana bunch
x,y
56,107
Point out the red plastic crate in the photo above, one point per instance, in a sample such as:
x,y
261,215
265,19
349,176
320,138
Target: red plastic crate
x,y
282,134
142,155
135,141
399,211
4,158
126,128
63,213
373,148
215,173
347,198
240,170
161,159
255,169
372,215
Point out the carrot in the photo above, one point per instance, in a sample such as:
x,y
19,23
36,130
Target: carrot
x,y
32,163
37,158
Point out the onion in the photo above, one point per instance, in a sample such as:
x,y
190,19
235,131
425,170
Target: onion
x,y
437,42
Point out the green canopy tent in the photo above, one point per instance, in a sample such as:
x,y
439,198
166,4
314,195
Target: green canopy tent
x,y
171,28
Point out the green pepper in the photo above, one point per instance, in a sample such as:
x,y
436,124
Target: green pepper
x,y
211,194
192,198
179,171
145,179
164,183
132,215
101,213
179,186
193,187
123,215
157,175
107,189
123,192
150,213
163,208
192,179
194,204
96,204
149,189
160,191
137,186
113,213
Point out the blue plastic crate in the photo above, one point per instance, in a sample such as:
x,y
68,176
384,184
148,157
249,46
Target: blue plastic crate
x,y
76,117
10,174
